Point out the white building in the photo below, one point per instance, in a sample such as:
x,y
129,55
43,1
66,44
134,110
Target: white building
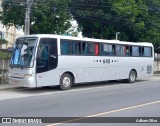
x,y
9,33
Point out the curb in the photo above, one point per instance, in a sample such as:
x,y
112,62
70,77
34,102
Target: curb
x,y
7,86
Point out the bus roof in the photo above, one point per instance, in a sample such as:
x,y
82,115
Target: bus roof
x,y
88,39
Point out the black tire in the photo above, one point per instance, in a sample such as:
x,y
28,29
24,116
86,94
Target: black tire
x,y
132,76
65,81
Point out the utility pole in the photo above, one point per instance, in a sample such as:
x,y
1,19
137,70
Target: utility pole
x,y
117,35
27,17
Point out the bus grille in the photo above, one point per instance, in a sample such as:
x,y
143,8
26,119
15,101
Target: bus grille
x,y
149,69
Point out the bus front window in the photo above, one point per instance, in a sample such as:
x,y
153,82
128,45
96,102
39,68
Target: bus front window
x,y
23,53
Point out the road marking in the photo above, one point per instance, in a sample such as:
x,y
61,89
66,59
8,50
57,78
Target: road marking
x,y
104,113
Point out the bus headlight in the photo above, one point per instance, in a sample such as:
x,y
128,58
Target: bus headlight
x,y
9,75
27,75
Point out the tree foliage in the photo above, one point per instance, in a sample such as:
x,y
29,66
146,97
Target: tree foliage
x,y
136,20
47,16
3,41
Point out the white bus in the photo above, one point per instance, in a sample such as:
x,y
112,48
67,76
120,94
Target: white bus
x,y
47,60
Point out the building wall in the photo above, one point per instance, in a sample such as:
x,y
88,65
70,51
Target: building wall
x,y
10,33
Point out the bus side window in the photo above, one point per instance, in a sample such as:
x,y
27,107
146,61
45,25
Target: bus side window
x,y
101,49
87,48
96,49
65,47
76,48
105,49
118,50
130,51
110,50
135,51
91,49
127,51
42,58
148,51
42,52
142,52
83,51
123,50
113,50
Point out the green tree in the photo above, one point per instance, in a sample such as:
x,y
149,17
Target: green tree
x,y
152,23
12,13
136,20
51,16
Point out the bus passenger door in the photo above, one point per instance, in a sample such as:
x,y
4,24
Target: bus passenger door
x,y
47,60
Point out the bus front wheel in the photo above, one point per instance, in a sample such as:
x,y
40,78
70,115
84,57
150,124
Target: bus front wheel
x,y
65,81
132,76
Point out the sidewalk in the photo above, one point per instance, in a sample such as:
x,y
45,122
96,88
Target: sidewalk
x,y
9,86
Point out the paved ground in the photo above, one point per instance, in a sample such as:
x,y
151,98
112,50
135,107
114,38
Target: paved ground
x,y
9,86
8,91
110,99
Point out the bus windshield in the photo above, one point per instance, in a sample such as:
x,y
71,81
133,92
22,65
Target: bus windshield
x,y
23,53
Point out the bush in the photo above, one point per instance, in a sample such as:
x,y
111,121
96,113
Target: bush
x,y
5,54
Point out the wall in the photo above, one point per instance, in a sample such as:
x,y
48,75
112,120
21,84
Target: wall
x,y
157,66
10,33
4,64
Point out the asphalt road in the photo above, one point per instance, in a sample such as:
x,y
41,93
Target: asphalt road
x,y
108,99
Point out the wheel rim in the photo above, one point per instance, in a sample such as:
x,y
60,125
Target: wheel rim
x,y
132,76
66,81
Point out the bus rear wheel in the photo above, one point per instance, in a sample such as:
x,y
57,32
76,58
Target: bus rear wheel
x,y
65,81
132,76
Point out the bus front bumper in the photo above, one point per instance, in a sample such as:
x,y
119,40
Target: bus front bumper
x,y
23,82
